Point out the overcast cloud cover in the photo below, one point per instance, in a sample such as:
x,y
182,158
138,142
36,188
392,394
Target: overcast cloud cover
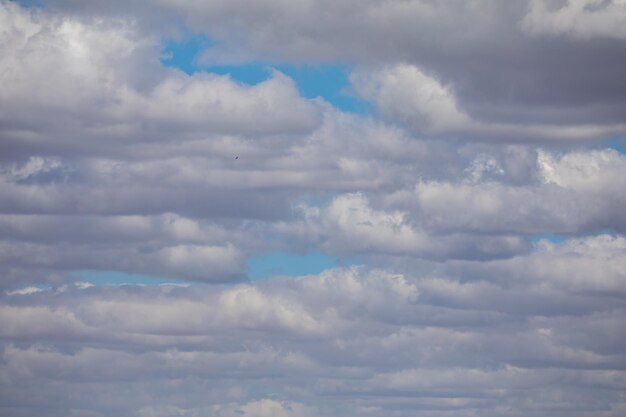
x,y
471,206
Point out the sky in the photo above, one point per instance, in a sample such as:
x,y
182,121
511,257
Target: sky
x,y
313,208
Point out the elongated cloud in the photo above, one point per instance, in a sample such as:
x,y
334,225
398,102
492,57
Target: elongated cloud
x,y
369,336
404,94
578,18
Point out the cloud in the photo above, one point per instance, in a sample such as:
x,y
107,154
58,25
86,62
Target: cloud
x,y
163,245
580,265
365,339
82,86
502,60
572,193
349,225
404,94
259,408
577,18
475,198
268,408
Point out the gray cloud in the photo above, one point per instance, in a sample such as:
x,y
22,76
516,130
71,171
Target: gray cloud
x,y
405,95
349,225
521,61
86,91
578,18
572,193
485,141
503,59
358,338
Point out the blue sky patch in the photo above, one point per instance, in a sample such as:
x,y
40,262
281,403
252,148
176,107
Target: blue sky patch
x,y
250,74
618,143
284,263
329,81
182,54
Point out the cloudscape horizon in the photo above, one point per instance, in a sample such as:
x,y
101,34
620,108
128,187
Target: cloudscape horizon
x,y
313,208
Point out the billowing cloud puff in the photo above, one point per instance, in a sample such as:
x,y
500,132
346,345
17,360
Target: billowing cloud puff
x,y
349,225
406,94
84,86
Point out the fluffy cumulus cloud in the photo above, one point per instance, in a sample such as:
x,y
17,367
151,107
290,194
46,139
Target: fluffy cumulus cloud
x,y
406,94
87,82
466,208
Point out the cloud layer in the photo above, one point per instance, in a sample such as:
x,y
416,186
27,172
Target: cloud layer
x,y
348,341
476,195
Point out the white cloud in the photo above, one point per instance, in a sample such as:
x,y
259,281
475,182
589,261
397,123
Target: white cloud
x,y
572,192
581,265
584,171
359,225
577,18
33,168
405,94
267,408
348,225
24,291
87,81
214,103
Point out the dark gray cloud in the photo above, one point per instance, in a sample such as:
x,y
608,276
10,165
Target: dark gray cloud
x,y
405,94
